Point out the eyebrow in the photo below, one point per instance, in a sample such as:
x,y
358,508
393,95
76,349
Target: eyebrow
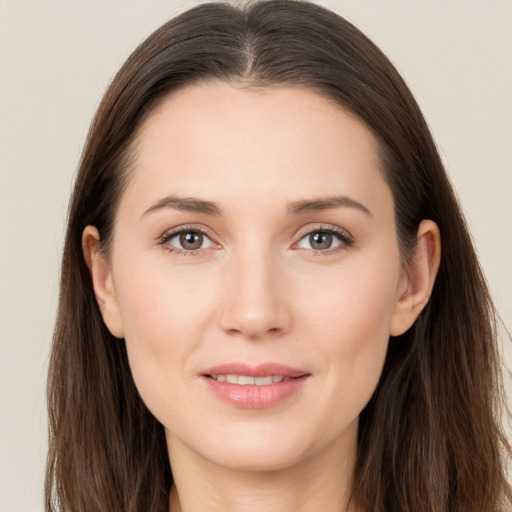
x,y
192,204
185,204
326,203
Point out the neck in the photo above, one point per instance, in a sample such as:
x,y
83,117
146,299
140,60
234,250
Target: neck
x,y
321,482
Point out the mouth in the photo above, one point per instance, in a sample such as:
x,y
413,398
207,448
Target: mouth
x,y
247,380
245,374
255,387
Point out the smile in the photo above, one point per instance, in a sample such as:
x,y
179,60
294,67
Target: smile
x,y
247,380
258,386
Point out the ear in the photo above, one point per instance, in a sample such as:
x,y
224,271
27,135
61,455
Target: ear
x,y
102,281
418,278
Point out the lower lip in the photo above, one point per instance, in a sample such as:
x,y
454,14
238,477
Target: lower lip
x,y
255,397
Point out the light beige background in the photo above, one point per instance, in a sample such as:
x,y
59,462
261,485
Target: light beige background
x,y
56,59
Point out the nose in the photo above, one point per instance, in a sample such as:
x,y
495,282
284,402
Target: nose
x,y
256,299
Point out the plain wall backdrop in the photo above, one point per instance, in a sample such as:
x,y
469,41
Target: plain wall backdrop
x,y
56,59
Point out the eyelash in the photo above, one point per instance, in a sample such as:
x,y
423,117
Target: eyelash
x,y
344,237
168,236
346,240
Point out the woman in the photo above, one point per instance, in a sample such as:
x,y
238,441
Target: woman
x,y
255,310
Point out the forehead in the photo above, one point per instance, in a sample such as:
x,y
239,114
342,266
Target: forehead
x,y
220,141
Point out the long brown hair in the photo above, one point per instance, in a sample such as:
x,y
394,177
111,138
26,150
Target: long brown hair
x,y
430,438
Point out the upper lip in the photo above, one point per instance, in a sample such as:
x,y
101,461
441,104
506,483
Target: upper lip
x,y
259,370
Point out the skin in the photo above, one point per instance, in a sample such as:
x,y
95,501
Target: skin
x,y
257,290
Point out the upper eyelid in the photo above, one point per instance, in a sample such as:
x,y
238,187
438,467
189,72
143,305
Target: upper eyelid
x,y
170,233
322,227
299,235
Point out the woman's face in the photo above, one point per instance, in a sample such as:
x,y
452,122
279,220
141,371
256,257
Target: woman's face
x,y
255,274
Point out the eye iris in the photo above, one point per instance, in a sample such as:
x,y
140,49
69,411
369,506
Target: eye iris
x,y
191,240
320,241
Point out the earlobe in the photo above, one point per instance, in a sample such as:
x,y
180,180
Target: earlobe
x,y
419,276
102,281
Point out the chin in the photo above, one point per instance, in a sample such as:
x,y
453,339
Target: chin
x,y
260,459
259,448
241,446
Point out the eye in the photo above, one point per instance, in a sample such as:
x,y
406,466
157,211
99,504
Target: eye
x,y
187,240
324,239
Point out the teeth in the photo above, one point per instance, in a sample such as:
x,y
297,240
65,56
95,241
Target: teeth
x,y
263,380
245,380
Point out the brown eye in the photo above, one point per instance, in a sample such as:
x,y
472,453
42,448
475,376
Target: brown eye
x,y
191,240
324,239
320,240
187,240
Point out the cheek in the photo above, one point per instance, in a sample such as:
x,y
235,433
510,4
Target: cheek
x,y
164,313
354,305
349,322
158,300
